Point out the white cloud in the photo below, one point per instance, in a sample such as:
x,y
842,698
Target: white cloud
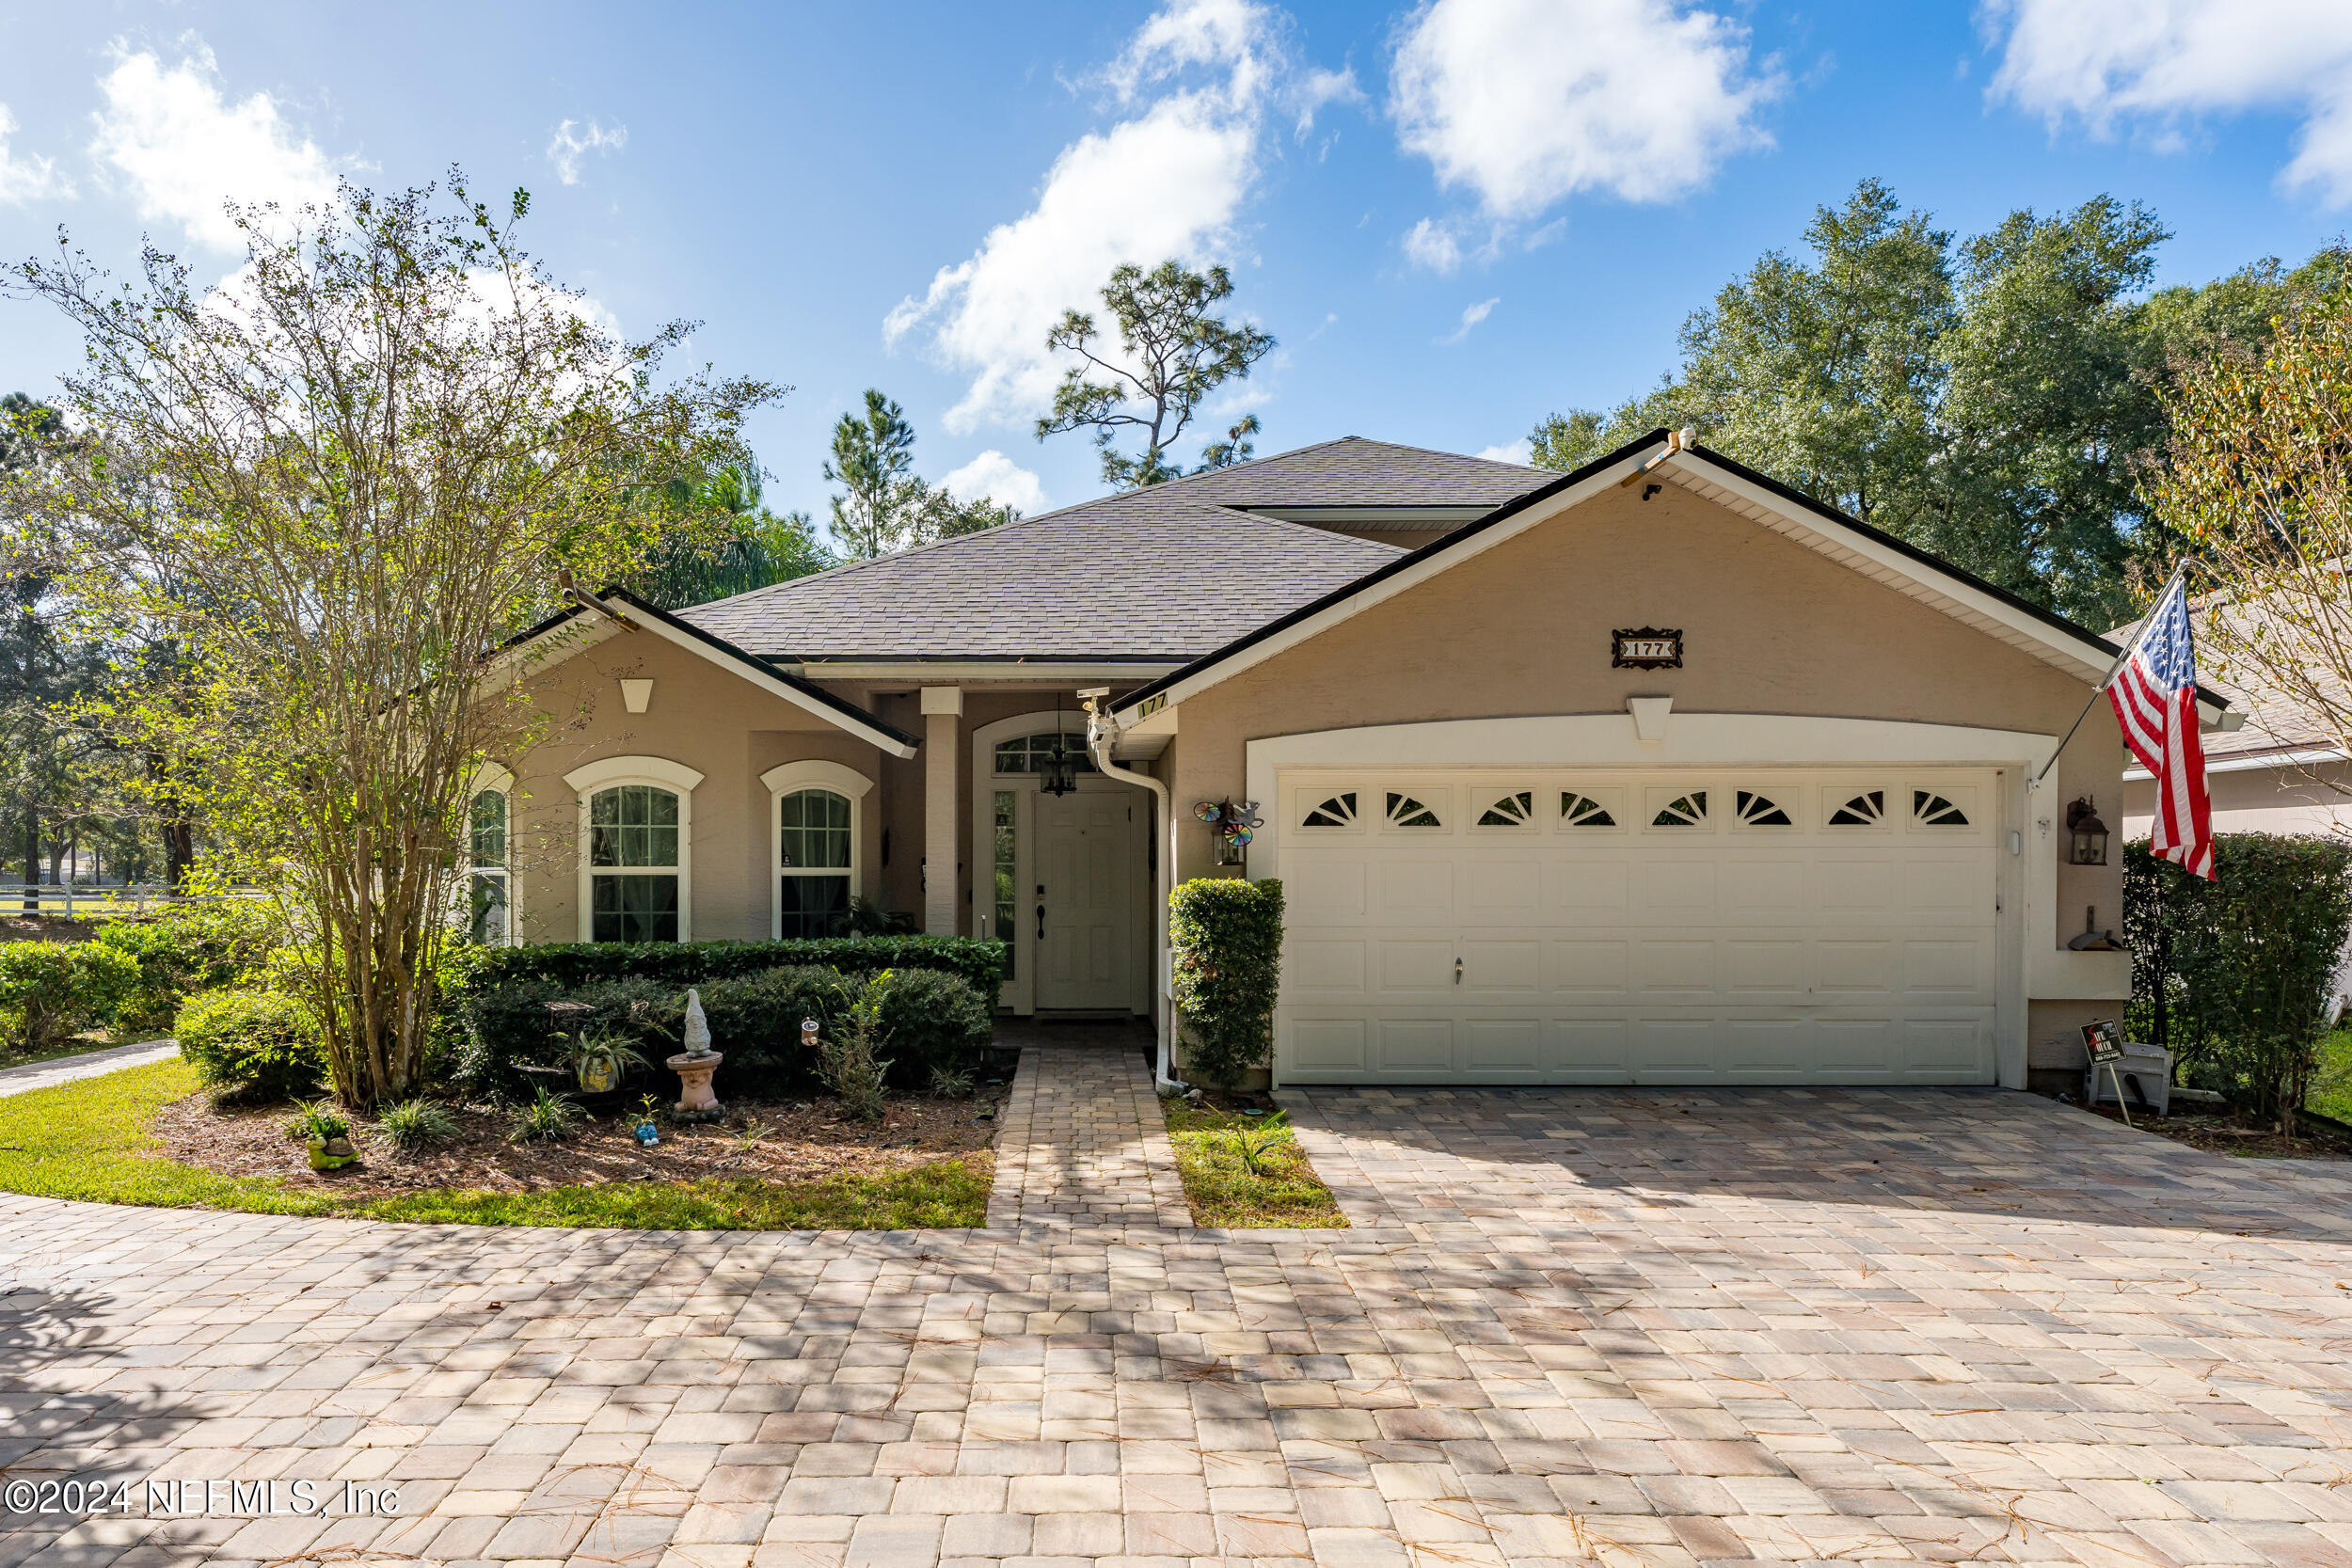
x,y
2156,62
1167,179
569,145
184,148
1471,316
1430,243
29,179
995,477
1528,102
1519,452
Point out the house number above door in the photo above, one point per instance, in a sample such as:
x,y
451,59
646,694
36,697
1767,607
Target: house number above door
x,y
1648,648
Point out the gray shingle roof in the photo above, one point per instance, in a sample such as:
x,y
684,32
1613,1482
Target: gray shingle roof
x,y
1169,572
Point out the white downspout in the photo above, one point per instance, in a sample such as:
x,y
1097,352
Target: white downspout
x,y
1102,735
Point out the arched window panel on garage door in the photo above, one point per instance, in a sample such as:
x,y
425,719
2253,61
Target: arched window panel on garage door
x,y
1855,808
1509,811
1945,806
1415,808
1755,808
1586,809
1336,809
1677,809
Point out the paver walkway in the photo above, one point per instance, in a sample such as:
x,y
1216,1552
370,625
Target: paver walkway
x,y
1084,1144
90,1063
1625,1327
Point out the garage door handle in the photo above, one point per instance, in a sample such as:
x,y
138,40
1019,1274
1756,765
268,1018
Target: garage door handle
x,y
1457,971
1041,923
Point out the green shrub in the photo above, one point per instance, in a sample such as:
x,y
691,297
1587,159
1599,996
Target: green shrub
x,y
756,1019
188,949
510,1026
849,1062
258,1045
2241,968
51,992
548,1118
1227,936
678,964
416,1124
931,1022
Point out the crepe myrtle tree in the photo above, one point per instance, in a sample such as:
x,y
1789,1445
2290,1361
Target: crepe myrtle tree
x,y
340,481
1174,355
2257,480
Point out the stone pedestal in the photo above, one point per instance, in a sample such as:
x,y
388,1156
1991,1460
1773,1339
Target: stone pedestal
x,y
695,1101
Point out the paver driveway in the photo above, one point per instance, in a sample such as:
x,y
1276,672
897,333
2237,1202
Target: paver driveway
x,y
1626,1327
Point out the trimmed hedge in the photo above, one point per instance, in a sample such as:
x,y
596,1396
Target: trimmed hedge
x,y
929,1020
508,1027
1227,936
260,1045
574,965
2244,965
52,990
186,950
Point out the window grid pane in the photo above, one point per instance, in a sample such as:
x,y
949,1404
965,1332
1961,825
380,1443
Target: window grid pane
x,y
633,825
488,828
811,905
634,909
813,831
1008,847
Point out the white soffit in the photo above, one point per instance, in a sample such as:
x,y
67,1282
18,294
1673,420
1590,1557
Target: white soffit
x,y
1881,565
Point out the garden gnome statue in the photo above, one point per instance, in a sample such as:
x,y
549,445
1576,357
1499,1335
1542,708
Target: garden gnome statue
x,y
694,1066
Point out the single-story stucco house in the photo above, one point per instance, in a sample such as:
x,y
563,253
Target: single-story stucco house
x,y
1654,772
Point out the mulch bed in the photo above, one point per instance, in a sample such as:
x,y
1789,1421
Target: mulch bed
x,y
799,1140
22,928
2218,1130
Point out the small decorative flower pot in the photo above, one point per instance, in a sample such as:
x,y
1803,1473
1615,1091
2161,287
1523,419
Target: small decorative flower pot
x,y
331,1153
599,1075
648,1134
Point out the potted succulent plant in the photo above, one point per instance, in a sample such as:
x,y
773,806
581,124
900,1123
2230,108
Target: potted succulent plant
x,y
602,1060
325,1131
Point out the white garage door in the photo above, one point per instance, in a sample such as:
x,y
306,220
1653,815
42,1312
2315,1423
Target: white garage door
x,y
1678,927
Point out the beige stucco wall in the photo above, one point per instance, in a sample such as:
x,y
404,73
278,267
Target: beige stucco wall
x,y
702,716
2316,799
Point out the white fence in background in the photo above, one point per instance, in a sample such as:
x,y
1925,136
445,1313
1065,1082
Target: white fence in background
x,y
81,903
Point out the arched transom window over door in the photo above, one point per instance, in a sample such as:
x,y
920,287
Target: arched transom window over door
x,y
814,841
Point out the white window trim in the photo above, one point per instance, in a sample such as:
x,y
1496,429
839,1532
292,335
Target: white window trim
x,y
784,780
591,778
496,777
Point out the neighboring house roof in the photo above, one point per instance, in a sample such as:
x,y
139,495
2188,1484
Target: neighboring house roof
x,y
1168,572
1853,543
2282,730
636,613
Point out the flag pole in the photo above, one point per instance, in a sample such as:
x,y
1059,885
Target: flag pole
x,y
2100,689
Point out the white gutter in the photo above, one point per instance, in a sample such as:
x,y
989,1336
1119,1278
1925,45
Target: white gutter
x,y
1102,734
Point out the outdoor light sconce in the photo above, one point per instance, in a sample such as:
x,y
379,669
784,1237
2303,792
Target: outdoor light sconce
x,y
2089,834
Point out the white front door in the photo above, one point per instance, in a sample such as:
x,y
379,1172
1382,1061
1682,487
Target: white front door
x,y
1689,927
1081,917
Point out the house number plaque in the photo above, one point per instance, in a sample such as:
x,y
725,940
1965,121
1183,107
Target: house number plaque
x,y
1648,648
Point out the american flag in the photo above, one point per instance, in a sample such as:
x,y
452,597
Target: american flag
x,y
2155,694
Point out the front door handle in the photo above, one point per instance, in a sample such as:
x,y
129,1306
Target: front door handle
x,y
1041,923
1457,971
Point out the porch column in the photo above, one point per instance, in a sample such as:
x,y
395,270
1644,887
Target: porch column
x,y
943,705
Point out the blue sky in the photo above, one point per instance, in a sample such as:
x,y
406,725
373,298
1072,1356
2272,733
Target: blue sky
x,y
1455,217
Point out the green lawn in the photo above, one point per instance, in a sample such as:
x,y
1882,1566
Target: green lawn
x,y
2332,1094
89,1141
1285,1193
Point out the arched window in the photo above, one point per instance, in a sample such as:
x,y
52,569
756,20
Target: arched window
x,y
636,849
633,846
490,902
817,837
813,835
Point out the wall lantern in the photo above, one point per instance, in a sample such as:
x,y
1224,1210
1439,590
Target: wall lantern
x,y
2090,833
1057,770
